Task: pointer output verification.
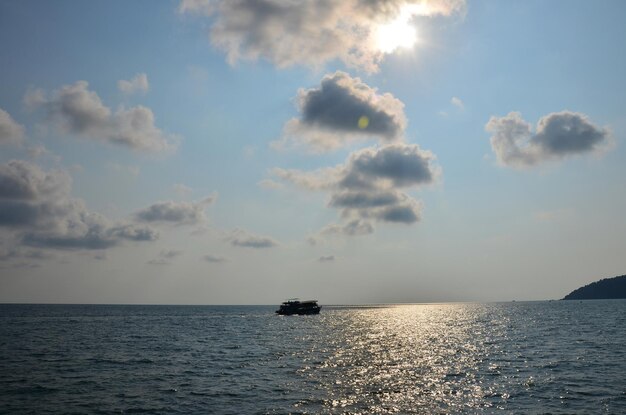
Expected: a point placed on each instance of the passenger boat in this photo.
(295, 306)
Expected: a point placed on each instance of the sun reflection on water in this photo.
(396, 359)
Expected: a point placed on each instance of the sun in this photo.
(397, 34)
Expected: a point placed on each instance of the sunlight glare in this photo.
(398, 33)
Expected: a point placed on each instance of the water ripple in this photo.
(543, 357)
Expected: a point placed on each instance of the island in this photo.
(608, 288)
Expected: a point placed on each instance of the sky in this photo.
(356, 151)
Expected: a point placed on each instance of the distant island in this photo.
(608, 288)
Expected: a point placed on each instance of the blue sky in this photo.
(164, 152)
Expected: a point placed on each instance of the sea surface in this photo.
(558, 357)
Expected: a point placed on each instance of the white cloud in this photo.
(139, 83)
(308, 32)
(11, 132)
(76, 110)
(558, 135)
(270, 184)
(456, 101)
(206, 7)
(183, 190)
(322, 179)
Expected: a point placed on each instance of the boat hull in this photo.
(298, 311)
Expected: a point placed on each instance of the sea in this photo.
(552, 357)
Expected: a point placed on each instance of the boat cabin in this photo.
(297, 307)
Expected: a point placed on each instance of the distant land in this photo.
(607, 288)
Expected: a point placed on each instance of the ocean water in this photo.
(527, 357)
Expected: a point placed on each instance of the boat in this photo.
(295, 306)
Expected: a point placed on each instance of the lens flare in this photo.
(363, 122)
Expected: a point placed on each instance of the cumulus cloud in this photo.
(395, 165)
(36, 209)
(244, 239)
(558, 135)
(139, 83)
(370, 185)
(176, 213)
(457, 102)
(309, 32)
(10, 131)
(343, 109)
(76, 110)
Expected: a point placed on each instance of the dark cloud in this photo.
(165, 257)
(177, 213)
(19, 214)
(13, 253)
(363, 199)
(10, 131)
(558, 135)
(244, 239)
(100, 256)
(341, 101)
(403, 165)
(352, 228)
(392, 206)
(403, 213)
(36, 209)
(92, 234)
(21, 180)
(214, 258)
(170, 253)
(564, 133)
(308, 32)
(77, 110)
(343, 109)
(368, 185)
(132, 232)
(326, 258)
